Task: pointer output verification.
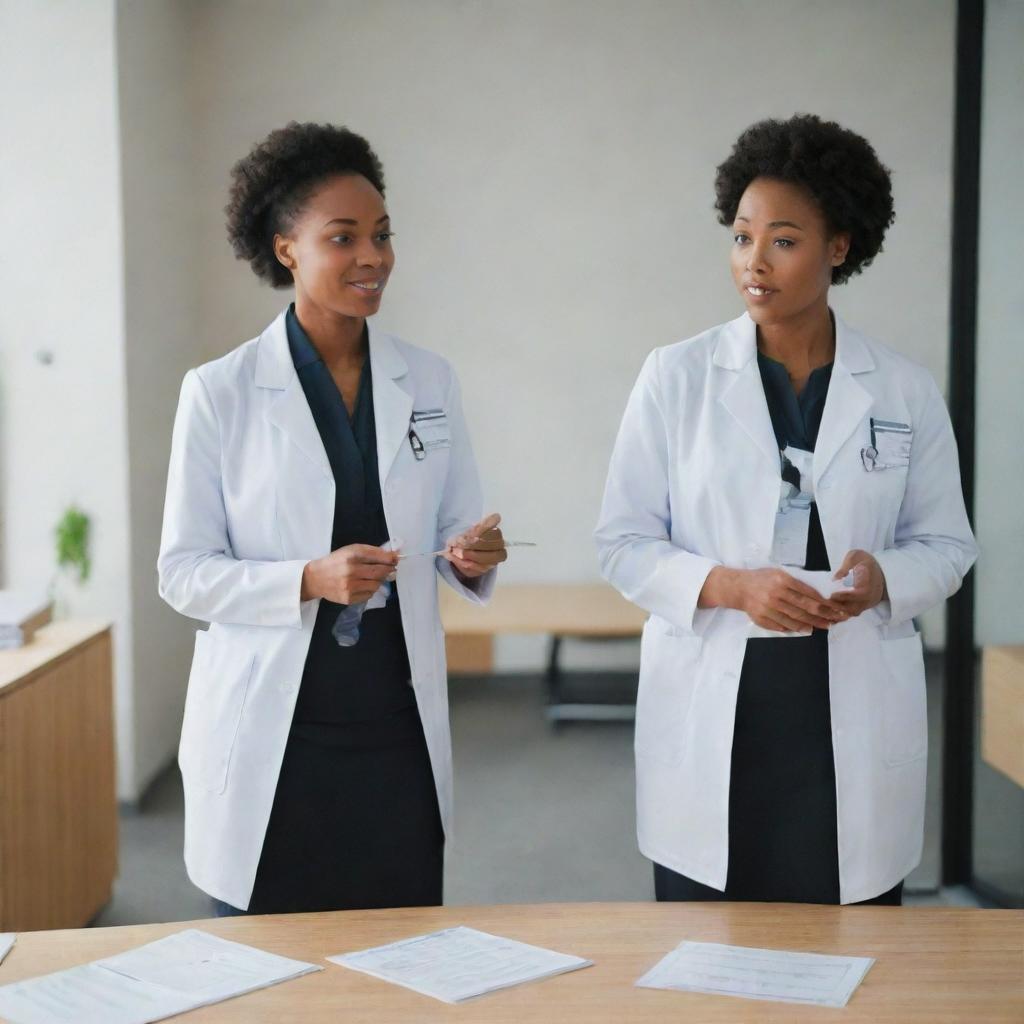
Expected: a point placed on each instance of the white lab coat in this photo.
(694, 483)
(250, 500)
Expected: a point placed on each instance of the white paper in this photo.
(459, 963)
(205, 966)
(759, 973)
(6, 941)
(88, 995)
(169, 976)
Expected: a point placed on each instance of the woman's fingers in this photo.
(370, 555)
(485, 524)
(805, 616)
(492, 540)
(799, 592)
(778, 620)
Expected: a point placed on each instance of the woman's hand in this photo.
(869, 583)
(350, 575)
(479, 549)
(771, 598)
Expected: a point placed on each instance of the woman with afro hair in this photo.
(783, 498)
(315, 749)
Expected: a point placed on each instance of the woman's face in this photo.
(782, 252)
(339, 247)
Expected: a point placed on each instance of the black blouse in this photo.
(795, 418)
(371, 679)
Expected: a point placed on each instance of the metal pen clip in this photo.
(417, 445)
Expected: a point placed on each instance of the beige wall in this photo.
(550, 169)
(64, 425)
(161, 340)
(999, 486)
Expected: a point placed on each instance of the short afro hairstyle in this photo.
(270, 184)
(836, 166)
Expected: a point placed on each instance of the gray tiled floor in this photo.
(540, 816)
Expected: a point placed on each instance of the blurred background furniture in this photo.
(58, 806)
(589, 611)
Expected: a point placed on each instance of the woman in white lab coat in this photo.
(783, 498)
(315, 750)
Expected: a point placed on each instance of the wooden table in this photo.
(594, 611)
(58, 805)
(933, 964)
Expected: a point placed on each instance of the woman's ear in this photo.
(840, 247)
(283, 251)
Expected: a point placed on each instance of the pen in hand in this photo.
(435, 554)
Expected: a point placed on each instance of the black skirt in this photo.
(355, 821)
(783, 840)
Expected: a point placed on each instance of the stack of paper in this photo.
(759, 973)
(459, 963)
(178, 973)
(20, 616)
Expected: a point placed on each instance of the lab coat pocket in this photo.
(668, 678)
(430, 427)
(904, 701)
(217, 687)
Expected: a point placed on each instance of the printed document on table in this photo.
(459, 963)
(88, 995)
(759, 973)
(6, 941)
(172, 975)
(204, 966)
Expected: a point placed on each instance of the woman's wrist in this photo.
(722, 588)
(309, 589)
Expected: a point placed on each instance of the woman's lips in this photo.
(368, 287)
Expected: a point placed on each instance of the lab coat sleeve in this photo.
(633, 533)
(461, 501)
(198, 574)
(933, 546)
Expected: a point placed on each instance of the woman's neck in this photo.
(802, 344)
(340, 340)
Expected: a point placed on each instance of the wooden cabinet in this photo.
(1002, 714)
(58, 802)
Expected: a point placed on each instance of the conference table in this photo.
(933, 964)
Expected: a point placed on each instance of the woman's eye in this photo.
(341, 239)
(385, 236)
(784, 243)
(739, 239)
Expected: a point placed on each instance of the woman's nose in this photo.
(369, 256)
(756, 260)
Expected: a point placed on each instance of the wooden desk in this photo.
(933, 964)
(587, 611)
(58, 805)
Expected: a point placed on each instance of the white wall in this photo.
(64, 429)
(550, 170)
(161, 340)
(999, 484)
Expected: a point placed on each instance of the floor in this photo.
(541, 816)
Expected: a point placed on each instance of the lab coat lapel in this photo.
(743, 397)
(289, 411)
(848, 401)
(392, 404)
